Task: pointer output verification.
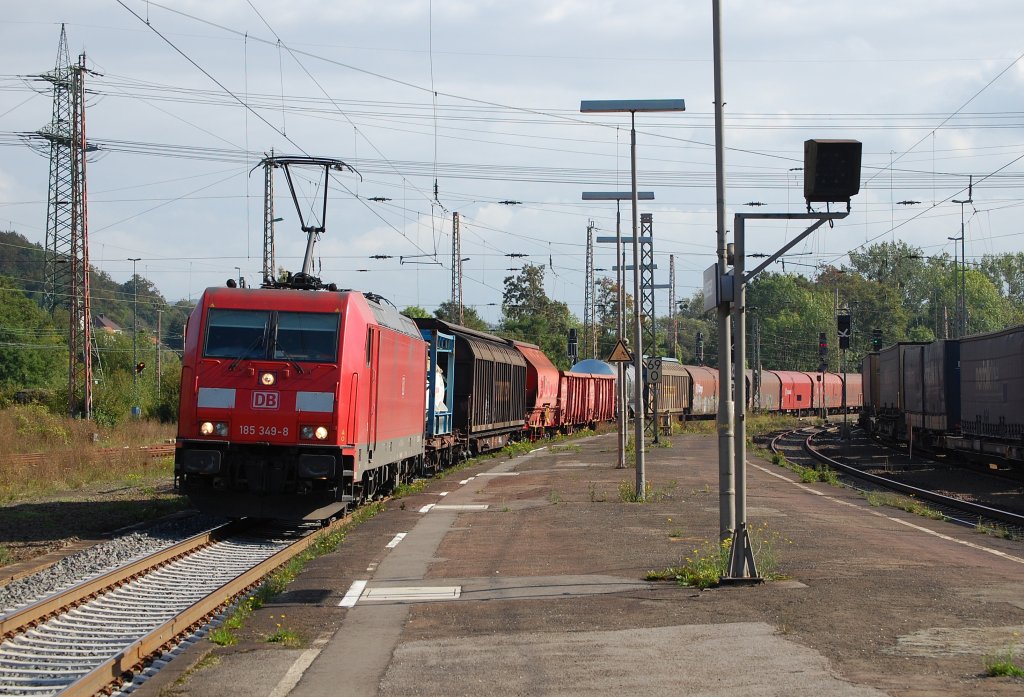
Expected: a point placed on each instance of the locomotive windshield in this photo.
(271, 335)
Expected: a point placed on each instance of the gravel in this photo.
(96, 560)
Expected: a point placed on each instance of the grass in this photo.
(5, 556)
(994, 530)
(1003, 665)
(808, 475)
(628, 493)
(72, 446)
(705, 565)
(284, 636)
(904, 503)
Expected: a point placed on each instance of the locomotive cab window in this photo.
(236, 333)
(306, 336)
(269, 335)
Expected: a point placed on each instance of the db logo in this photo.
(265, 400)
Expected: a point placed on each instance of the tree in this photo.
(606, 308)
(530, 315)
(415, 312)
(448, 312)
(33, 352)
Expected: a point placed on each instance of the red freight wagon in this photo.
(827, 391)
(854, 390)
(703, 390)
(584, 399)
(768, 396)
(542, 382)
(796, 391)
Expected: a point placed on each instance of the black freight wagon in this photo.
(490, 386)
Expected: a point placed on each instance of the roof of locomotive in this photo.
(385, 314)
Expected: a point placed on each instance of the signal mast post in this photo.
(831, 173)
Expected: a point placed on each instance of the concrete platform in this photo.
(525, 577)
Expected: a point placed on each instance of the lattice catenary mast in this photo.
(457, 270)
(66, 273)
(589, 324)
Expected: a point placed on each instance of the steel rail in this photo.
(131, 659)
(43, 609)
(925, 494)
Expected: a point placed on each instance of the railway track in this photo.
(149, 451)
(99, 633)
(800, 448)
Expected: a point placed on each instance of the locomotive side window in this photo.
(307, 336)
(236, 333)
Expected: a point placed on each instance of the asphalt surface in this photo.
(543, 593)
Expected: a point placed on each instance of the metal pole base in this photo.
(742, 569)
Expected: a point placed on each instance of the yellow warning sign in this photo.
(620, 354)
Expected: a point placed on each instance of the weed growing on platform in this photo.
(5, 556)
(222, 636)
(1003, 665)
(702, 568)
(627, 492)
(284, 636)
(904, 503)
(1000, 531)
(414, 487)
(595, 496)
(554, 497)
(808, 475)
(706, 564)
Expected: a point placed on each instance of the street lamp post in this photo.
(620, 266)
(135, 334)
(632, 106)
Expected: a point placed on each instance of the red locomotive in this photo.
(294, 402)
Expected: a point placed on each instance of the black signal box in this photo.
(831, 169)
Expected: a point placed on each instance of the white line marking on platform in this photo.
(498, 474)
(467, 481)
(574, 464)
(354, 591)
(462, 507)
(427, 507)
(394, 542)
(415, 593)
(371, 568)
(948, 538)
(537, 450)
(305, 659)
(443, 493)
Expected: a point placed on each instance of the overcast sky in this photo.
(483, 97)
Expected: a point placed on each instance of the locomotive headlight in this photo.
(314, 432)
(267, 379)
(209, 428)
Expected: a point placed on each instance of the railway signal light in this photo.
(700, 348)
(139, 367)
(822, 344)
(876, 339)
(844, 330)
